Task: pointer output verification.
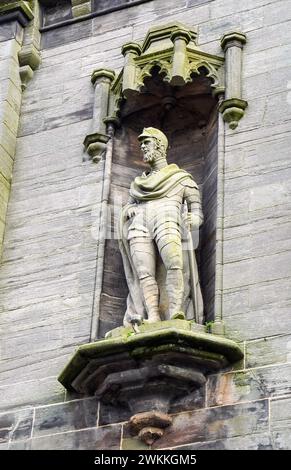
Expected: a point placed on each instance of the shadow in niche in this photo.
(55, 11)
(188, 116)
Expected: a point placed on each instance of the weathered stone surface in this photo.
(254, 245)
(248, 385)
(107, 437)
(264, 59)
(10, 92)
(281, 414)
(56, 117)
(44, 335)
(55, 308)
(10, 30)
(277, 12)
(213, 30)
(109, 414)
(273, 35)
(114, 308)
(133, 443)
(20, 445)
(33, 392)
(56, 12)
(69, 416)
(6, 164)
(4, 446)
(220, 8)
(16, 426)
(103, 5)
(122, 18)
(282, 440)
(109, 42)
(195, 3)
(255, 270)
(193, 401)
(252, 442)
(259, 322)
(66, 34)
(114, 283)
(41, 365)
(273, 350)
(216, 423)
(252, 298)
(281, 422)
(10, 43)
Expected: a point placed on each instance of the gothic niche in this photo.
(159, 367)
(188, 116)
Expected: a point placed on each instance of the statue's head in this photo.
(154, 144)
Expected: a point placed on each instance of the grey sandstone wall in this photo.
(47, 276)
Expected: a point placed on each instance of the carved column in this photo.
(29, 55)
(14, 17)
(103, 227)
(95, 143)
(233, 107)
(180, 39)
(130, 50)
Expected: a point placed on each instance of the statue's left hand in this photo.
(130, 212)
(192, 221)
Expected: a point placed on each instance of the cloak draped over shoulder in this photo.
(157, 185)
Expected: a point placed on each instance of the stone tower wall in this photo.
(47, 275)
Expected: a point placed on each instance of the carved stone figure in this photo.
(155, 239)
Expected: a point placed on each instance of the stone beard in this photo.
(153, 230)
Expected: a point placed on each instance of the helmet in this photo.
(155, 134)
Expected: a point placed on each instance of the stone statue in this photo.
(161, 270)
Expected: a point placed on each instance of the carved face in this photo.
(149, 149)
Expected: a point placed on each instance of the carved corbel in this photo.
(95, 142)
(29, 60)
(233, 106)
(27, 13)
(146, 371)
(180, 39)
(29, 55)
(130, 51)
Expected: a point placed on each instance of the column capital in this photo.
(233, 38)
(101, 74)
(131, 47)
(181, 34)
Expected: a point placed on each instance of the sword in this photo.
(193, 278)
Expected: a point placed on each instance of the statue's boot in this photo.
(175, 291)
(150, 292)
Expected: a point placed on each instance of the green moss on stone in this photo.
(24, 6)
(150, 342)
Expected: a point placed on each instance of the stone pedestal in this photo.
(146, 370)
